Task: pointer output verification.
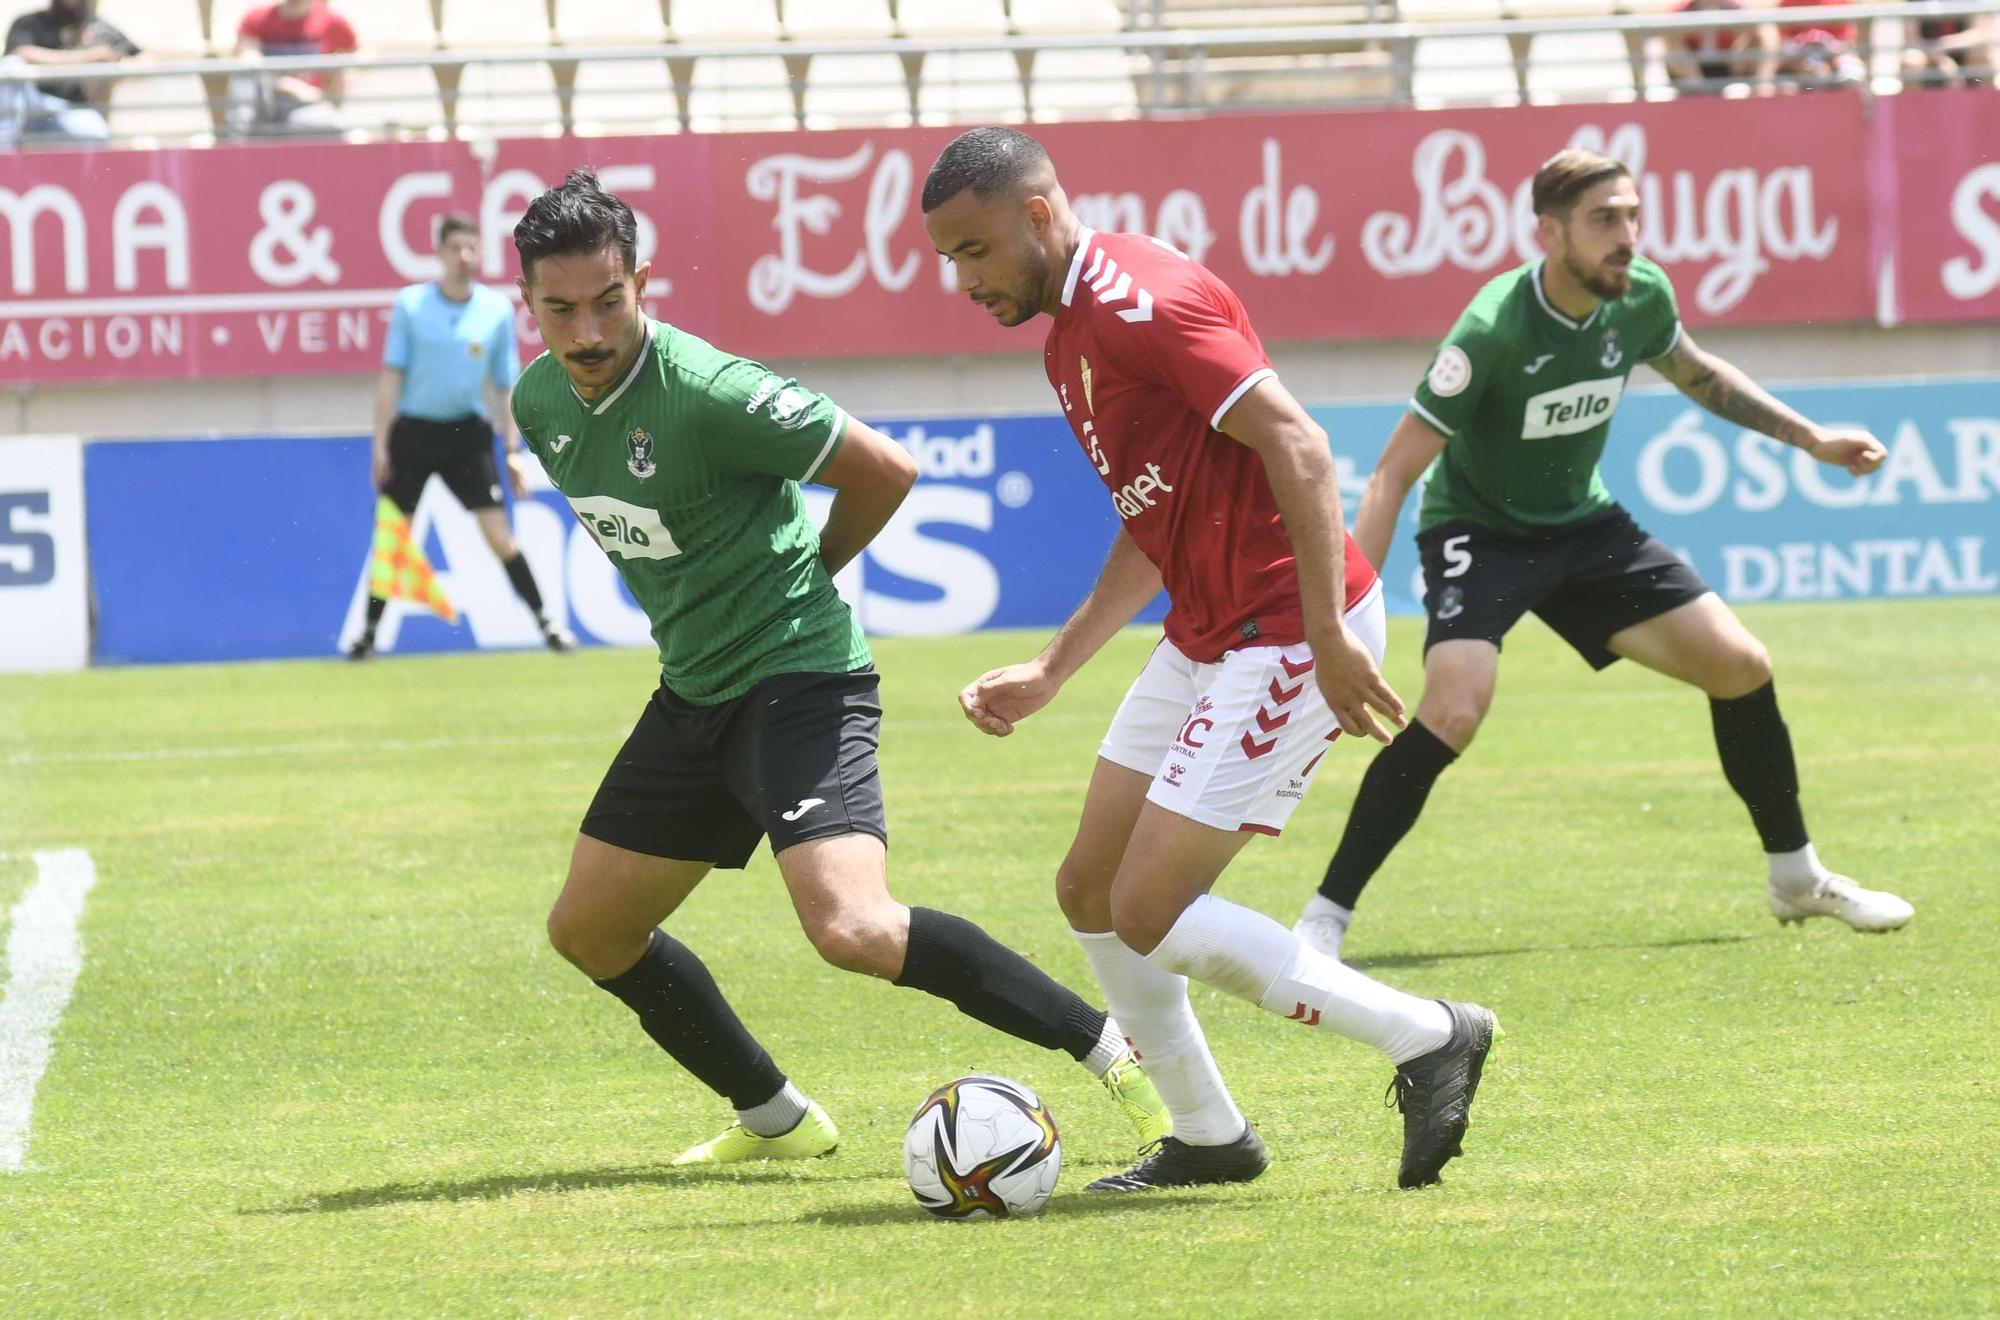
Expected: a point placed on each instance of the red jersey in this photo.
(1147, 353)
(1830, 30)
(319, 32)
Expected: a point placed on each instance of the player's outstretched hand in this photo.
(1001, 698)
(1849, 447)
(1351, 684)
(517, 474)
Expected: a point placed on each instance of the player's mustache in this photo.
(590, 359)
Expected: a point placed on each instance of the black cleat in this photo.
(557, 640)
(1169, 1162)
(363, 648)
(1435, 1093)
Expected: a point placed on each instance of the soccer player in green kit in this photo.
(684, 463)
(1510, 421)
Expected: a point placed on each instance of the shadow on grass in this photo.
(573, 1180)
(1394, 960)
(1063, 1207)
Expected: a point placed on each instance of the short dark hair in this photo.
(1568, 175)
(455, 222)
(576, 217)
(989, 161)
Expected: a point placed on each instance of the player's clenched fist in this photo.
(1001, 698)
(1848, 447)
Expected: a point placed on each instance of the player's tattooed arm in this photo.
(1725, 390)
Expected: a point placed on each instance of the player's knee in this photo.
(1747, 668)
(592, 951)
(1141, 921)
(857, 941)
(1455, 717)
(1083, 898)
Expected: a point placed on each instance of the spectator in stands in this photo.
(1949, 52)
(291, 102)
(1710, 59)
(67, 32)
(1820, 52)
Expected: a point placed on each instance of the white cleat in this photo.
(1323, 925)
(1836, 896)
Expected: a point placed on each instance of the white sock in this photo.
(776, 1116)
(1247, 954)
(1110, 1048)
(1151, 1008)
(1798, 870)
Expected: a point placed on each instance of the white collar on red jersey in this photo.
(1083, 238)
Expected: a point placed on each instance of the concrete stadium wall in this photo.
(890, 387)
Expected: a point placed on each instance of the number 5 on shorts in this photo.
(1457, 558)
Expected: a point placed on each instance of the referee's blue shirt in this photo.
(447, 350)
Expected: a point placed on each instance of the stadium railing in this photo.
(1150, 67)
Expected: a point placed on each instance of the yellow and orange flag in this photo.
(398, 569)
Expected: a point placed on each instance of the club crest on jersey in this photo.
(1614, 352)
(1089, 404)
(639, 454)
(475, 350)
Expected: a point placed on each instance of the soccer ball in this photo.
(982, 1147)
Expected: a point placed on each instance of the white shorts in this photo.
(1233, 744)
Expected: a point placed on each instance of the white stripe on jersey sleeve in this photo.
(1672, 344)
(1431, 418)
(832, 438)
(1249, 382)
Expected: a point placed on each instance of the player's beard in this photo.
(1028, 295)
(1603, 281)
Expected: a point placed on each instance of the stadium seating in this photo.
(624, 96)
(610, 22)
(1082, 84)
(1045, 16)
(393, 102)
(506, 100)
(838, 20)
(843, 91)
(396, 25)
(485, 24)
(741, 92)
(724, 20)
(163, 29)
(952, 18)
(963, 87)
(165, 109)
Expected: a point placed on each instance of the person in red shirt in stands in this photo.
(1820, 51)
(292, 102)
(1709, 59)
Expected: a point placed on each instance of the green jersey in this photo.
(1524, 396)
(686, 471)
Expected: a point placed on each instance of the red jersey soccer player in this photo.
(1225, 491)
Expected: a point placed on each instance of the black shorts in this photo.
(794, 757)
(1586, 580)
(461, 452)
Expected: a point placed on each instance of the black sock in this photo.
(1391, 797)
(1757, 761)
(523, 579)
(376, 605)
(955, 960)
(682, 1010)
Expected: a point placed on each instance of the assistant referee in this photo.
(447, 372)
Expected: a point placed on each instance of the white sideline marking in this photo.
(343, 746)
(44, 956)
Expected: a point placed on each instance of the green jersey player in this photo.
(684, 462)
(1510, 420)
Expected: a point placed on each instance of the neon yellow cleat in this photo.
(1135, 1094)
(814, 1136)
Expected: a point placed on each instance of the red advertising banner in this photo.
(279, 260)
(1946, 153)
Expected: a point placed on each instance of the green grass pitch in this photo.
(320, 1060)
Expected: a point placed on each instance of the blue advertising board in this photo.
(258, 547)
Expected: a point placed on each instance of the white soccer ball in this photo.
(982, 1147)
